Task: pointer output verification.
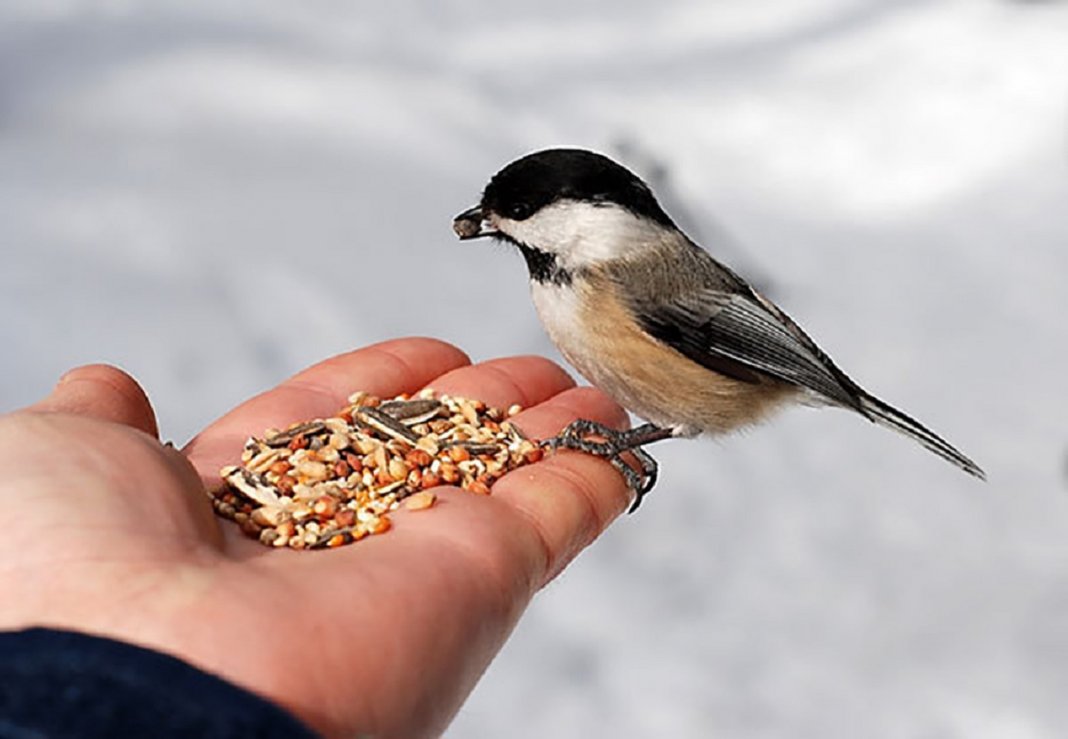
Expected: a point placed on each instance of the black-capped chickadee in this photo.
(650, 318)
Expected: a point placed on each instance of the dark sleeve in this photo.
(76, 686)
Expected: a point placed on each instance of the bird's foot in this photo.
(611, 446)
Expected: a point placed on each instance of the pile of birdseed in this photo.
(332, 481)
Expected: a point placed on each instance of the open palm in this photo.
(115, 536)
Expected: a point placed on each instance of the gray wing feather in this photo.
(704, 310)
(716, 329)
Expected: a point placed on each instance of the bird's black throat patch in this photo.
(544, 267)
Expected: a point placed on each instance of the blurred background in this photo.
(214, 195)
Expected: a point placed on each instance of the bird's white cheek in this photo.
(581, 234)
(549, 230)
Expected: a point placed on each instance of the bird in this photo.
(652, 319)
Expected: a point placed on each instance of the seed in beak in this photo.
(468, 225)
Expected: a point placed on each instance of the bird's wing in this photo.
(742, 335)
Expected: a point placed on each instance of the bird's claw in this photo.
(577, 437)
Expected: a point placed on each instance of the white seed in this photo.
(263, 460)
(420, 501)
(271, 515)
(365, 444)
(428, 445)
(337, 426)
(381, 458)
(313, 470)
(398, 470)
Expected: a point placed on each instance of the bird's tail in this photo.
(884, 415)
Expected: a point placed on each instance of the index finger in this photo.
(386, 369)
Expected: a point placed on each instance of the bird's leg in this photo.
(577, 436)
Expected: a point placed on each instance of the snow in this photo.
(208, 196)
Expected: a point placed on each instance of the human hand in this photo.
(112, 534)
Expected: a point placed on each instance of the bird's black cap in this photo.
(528, 184)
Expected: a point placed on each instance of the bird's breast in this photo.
(600, 337)
(560, 309)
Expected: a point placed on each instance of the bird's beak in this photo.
(471, 224)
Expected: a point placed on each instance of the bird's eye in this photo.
(520, 211)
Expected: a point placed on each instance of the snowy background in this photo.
(208, 194)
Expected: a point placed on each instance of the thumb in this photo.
(103, 392)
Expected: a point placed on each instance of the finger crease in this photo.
(588, 495)
(541, 543)
(517, 389)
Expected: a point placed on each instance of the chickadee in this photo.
(649, 317)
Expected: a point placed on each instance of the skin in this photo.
(386, 637)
